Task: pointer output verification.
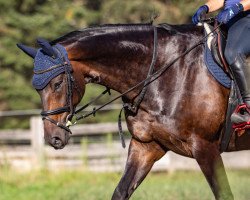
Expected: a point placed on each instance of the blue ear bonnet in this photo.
(43, 61)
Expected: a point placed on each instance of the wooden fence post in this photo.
(37, 141)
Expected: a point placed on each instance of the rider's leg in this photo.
(242, 76)
(237, 48)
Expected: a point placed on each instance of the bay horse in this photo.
(183, 110)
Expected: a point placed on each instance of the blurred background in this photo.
(91, 165)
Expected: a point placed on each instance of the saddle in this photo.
(215, 48)
(217, 44)
(218, 47)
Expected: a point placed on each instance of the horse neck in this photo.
(117, 59)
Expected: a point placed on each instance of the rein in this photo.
(144, 82)
(133, 107)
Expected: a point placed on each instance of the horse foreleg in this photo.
(141, 157)
(209, 159)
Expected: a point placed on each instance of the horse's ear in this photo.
(47, 48)
(28, 50)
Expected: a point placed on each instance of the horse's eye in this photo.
(58, 85)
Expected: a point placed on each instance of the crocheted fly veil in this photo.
(49, 62)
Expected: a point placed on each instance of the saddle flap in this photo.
(215, 51)
(216, 43)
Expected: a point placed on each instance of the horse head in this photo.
(59, 86)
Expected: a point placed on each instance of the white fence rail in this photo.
(26, 150)
(104, 155)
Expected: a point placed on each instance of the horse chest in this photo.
(140, 127)
(146, 128)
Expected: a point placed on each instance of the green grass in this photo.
(90, 186)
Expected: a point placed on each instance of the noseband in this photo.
(70, 84)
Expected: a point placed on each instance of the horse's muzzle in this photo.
(58, 139)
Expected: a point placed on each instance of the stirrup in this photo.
(245, 125)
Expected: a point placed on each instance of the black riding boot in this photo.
(242, 78)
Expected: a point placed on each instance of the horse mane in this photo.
(100, 29)
(115, 28)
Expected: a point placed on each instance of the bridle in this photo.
(69, 107)
(71, 83)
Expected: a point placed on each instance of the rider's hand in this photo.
(225, 15)
(200, 14)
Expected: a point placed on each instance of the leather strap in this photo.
(55, 111)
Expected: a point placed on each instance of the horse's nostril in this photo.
(56, 142)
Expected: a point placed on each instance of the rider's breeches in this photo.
(238, 40)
